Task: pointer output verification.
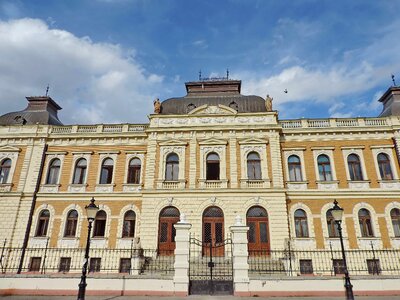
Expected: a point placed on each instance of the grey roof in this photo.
(184, 105)
(40, 110)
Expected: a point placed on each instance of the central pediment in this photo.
(213, 110)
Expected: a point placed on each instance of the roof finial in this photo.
(200, 75)
(394, 82)
(47, 90)
(227, 73)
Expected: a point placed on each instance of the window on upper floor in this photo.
(134, 171)
(353, 162)
(384, 166)
(253, 166)
(300, 223)
(172, 167)
(107, 169)
(5, 167)
(54, 171)
(128, 228)
(100, 224)
(395, 216)
(212, 170)
(294, 166)
(324, 168)
(43, 223)
(364, 218)
(80, 171)
(71, 224)
(333, 231)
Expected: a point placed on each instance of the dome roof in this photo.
(213, 92)
(40, 110)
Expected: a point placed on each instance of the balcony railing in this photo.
(106, 128)
(335, 123)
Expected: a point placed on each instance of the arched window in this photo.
(128, 229)
(324, 168)
(100, 224)
(5, 166)
(212, 170)
(300, 223)
(395, 216)
(364, 218)
(80, 171)
(384, 166)
(353, 162)
(294, 168)
(43, 223)
(71, 224)
(107, 169)
(332, 226)
(134, 171)
(253, 166)
(172, 167)
(54, 171)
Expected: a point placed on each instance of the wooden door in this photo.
(166, 231)
(213, 232)
(258, 235)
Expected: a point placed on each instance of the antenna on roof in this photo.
(200, 75)
(227, 73)
(47, 90)
(394, 82)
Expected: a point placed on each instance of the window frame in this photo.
(302, 231)
(109, 169)
(43, 222)
(255, 163)
(333, 231)
(82, 171)
(53, 172)
(323, 166)
(172, 167)
(68, 232)
(396, 233)
(100, 224)
(5, 171)
(386, 163)
(211, 164)
(297, 166)
(354, 174)
(134, 171)
(132, 225)
(366, 224)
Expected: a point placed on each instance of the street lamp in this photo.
(91, 211)
(337, 213)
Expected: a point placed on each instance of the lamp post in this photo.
(337, 213)
(91, 211)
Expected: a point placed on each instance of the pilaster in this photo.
(181, 265)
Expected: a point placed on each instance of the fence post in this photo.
(136, 257)
(181, 265)
(240, 255)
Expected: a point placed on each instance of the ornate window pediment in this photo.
(253, 141)
(173, 143)
(213, 110)
(213, 141)
(9, 149)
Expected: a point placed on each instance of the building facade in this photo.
(212, 155)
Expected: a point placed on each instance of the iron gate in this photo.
(210, 268)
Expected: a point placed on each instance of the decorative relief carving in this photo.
(49, 188)
(104, 188)
(77, 188)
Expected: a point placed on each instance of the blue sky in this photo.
(106, 60)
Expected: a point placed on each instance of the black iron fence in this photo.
(323, 262)
(102, 261)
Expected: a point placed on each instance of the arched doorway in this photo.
(213, 231)
(166, 230)
(258, 235)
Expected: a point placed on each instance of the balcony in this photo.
(255, 184)
(171, 185)
(213, 184)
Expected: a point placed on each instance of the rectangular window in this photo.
(306, 266)
(374, 266)
(338, 266)
(34, 266)
(263, 232)
(65, 264)
(218, 233)
(95, 265)
(164, 233)
(252, 232)
(125, 265)
(99, 228)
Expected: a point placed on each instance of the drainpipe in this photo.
(29, 224)
(396, 147)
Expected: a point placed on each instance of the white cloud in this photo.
(93, 82)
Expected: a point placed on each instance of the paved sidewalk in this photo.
(189, 298)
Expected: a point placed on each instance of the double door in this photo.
(213, 236)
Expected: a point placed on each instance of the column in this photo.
(240, 255)
(181, 265)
